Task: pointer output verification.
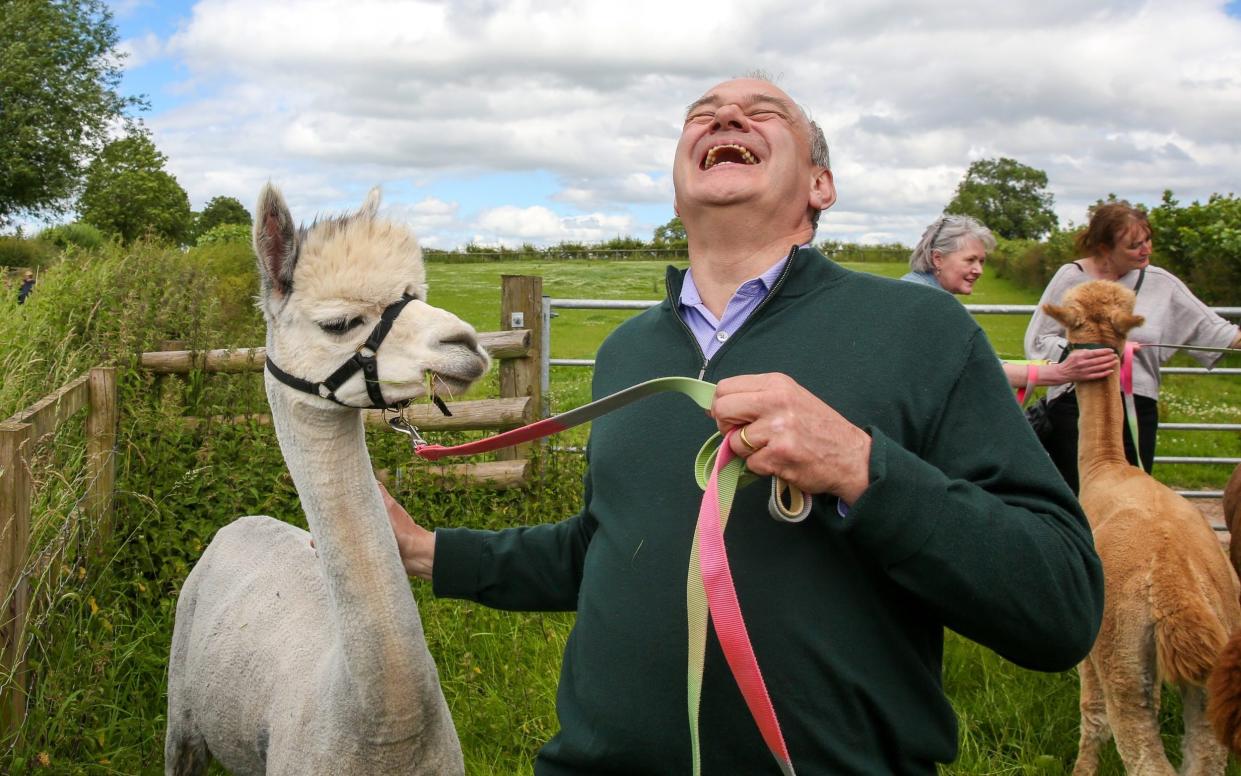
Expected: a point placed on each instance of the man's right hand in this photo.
(415, 543)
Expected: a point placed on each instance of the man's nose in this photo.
(730, 117)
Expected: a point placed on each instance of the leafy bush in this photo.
(108, 310)
(21, 252)
(76, 235)
(225, 233)
(1201, 244)
(1029, 263)
(230, 263)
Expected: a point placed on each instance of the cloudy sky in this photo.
(510, 121)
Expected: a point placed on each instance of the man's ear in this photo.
(822, 189)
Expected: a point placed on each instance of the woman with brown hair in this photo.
(1116, 245)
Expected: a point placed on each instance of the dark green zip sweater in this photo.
(965, 525)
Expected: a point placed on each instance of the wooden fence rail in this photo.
(500, 344)
(519, 402)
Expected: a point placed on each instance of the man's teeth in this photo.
(745, 154)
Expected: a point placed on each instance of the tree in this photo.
(128, 192)
(221, 210)
(1008, 196)
(59, 71)
(671, 232)
(1201, 243)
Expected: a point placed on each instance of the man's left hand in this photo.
(794, 435)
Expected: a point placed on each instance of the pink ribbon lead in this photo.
(710, 589)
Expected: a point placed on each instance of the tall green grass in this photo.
(99, 649)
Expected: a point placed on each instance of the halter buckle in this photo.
(398, 423)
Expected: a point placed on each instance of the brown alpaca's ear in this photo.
(1127, 322)
(1065, 315)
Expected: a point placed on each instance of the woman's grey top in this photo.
(1173, 315)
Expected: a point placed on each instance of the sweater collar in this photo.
(806, 270)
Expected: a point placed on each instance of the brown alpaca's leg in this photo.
(1094, 727)
(1201, 753)
(1127, 673)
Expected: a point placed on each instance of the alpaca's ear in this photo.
(1065, 315)
(1127, 322)
(275, 242)
(370, 208)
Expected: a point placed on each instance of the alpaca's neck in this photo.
(378, 631)
(1100, 441)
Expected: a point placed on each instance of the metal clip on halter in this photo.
(398, 423)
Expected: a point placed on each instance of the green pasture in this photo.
(99, 650)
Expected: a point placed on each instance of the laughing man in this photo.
(933, 505)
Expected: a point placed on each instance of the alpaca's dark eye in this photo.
(341, 325)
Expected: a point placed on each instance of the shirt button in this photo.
(721, 335)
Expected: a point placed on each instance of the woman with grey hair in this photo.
(950, 254)
(950, 257)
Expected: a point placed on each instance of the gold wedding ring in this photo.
(745, 441)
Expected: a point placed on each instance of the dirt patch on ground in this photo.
(1213, 510)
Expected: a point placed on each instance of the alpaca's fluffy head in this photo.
(1099, 311)
(324, 287)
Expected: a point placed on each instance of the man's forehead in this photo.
(744, 93)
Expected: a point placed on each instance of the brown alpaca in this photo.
(1232, 516)
(1225, 684)
(1171, 597)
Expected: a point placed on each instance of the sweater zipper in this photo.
(775, 289)
(688, 332)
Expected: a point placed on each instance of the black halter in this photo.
(363, 359)
(1069, 347)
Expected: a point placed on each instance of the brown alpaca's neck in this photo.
(1100, 441)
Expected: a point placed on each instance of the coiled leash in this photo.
(709, 592)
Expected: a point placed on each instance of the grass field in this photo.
(100, 651)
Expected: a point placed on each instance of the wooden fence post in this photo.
(100, 446)
(521, 307)
(15, 497)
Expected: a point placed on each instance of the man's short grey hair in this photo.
(819, 154)
(947, 234)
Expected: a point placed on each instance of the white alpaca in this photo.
(292, 660)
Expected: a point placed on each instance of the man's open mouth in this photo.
(734, 154)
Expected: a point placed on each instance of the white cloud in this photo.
(635, 187)
(1105, 96)
(511, 225)
(141, 50)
